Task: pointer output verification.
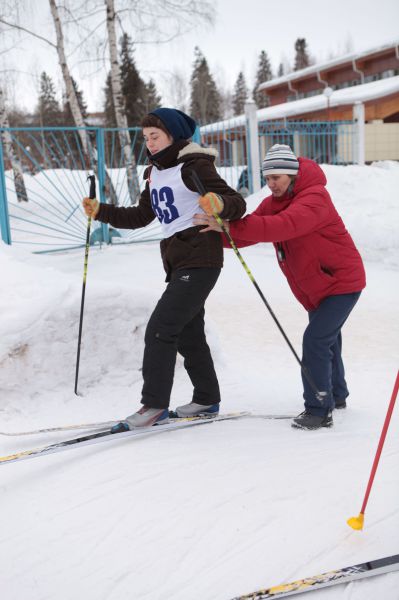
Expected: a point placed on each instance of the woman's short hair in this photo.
(153, 121)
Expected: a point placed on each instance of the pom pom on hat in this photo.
(179, 125)
(280, 160)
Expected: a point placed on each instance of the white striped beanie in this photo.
(280, 160)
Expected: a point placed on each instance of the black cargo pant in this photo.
(177, 325)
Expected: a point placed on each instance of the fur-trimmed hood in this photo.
(194, 148)
(181, 151)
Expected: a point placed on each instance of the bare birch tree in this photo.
(16, 166)
(69, 87)
(119, 106)
(74, 104)
(10, 154)
(59, 46)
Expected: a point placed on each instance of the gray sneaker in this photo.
(193, 409)
(308, 421)
(146, 416)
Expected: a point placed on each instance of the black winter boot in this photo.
(308, 421)
(340, 403)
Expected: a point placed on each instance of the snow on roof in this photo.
(345, 96)
(326, 65)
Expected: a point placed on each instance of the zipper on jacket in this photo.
(280, 252)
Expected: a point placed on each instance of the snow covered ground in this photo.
(219, 510)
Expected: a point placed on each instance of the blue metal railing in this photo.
(4, 217)
(55, 162)
(328, 142)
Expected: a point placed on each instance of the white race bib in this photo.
(172, 202)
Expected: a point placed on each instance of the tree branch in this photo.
(20, 28)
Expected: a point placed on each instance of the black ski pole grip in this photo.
(92, 192)
(198, 183)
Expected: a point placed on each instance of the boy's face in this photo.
(156, 139)
(278, 184)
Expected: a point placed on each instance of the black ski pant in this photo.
(177, 325)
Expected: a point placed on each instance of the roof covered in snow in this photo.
(342, 97)
(335, 62)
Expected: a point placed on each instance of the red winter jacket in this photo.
(319, 256)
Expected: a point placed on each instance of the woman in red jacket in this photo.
(321, 263)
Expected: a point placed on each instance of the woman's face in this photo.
(156, 139)
(278, 184)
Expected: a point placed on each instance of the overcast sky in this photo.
(240, 32)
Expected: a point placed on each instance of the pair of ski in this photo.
(103, 433)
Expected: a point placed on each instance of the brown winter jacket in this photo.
(189, 248)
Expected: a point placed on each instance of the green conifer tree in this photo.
(263, 74)
(133, 87)
(48, 112)
(68, 117)
(302, 58)
(205, 98)
(240, 95)
(109, 109)
(152, 98)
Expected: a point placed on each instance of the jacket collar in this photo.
(167, 157)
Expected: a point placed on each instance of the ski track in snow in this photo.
(202, 514)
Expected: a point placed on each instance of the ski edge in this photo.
(99, 425)
(102, 424)
(341, 576)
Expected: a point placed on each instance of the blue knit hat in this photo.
(280, 160)
(179, 125)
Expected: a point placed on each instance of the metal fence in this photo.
(43, 178)
(326, 142)
(43, 173)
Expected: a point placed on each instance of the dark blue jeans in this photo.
(322, 347)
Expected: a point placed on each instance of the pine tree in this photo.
(302, 59)
(48, 114)
(280, 70)
(152, 98)
(240, 95)
(68, 117)
(133, 87)
(264, 73)
(48, 111)
(205, 98)
(109, 109)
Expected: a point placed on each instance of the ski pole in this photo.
(92, 195)
(201, 190)
(357, 522)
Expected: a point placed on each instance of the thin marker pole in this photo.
(357, 522)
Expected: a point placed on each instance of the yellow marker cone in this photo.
(356, 522)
